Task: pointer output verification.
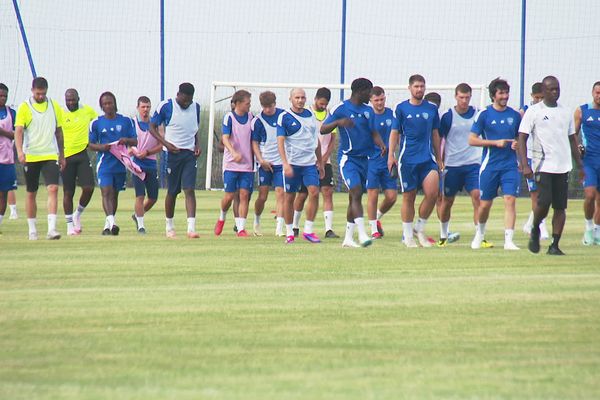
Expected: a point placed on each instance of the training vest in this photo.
(7, 154)
(457, 151)
(145, 139)
(39, 136)
(241, 140)
(269, 148)
(300, 147)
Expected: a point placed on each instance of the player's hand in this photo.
(21, 157)
(514, 145)
(392, 164)
(132, 151)
(62, 163)
(345, 123)
(321, 170)
(440, 164)
(581, 150)
(237, 157)
(171, 148)
(501, 143)
(197, 151)
(288, 170)
(527, 172)
(266, 166)
(382, 150)
(142, 154)
(106, 147)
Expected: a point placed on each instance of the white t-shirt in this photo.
(549, 129)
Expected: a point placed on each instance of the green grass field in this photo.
(134, 317)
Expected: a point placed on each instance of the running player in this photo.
(39, 143)
(181, 118)
(358, 134)
(536, 96)
(462, 161)
(144, 155)
(553, 131)
(378, 175)
(8, 175)
(266, 151)
(418, 122)
(587, 121)
(238, 161)
(321, 112)
(496, 129)
(76, 126)
(105, 131)
(300, 151)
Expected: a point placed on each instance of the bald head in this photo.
(297, 99)
(295, 91)
(551, 90)
(72, 99)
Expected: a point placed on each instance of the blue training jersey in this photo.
(491, 124)
(383, 125)
(355, 140)
(415, 124)
(590, 132)
(104, 131)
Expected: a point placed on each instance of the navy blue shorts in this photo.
(591, 171)
(354, 171)
(303, 175)
(413, 175)
(114, 179)
(457, 178)
(490, 181)
(8, 177)
(236, 180)
(148, 185)
(181, 170)
(267, 178)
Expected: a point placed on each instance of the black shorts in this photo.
(78, 170)
(553, 189)
(326, 181)
(49, 169)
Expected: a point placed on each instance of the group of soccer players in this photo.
(409, 148)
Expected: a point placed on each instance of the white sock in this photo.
(140, 222)
(297, 216)
(349, 231)
(308, 226)
(170, 224)
(420, 225)
(240, 223)
(481, 229)
(106, 224)
(280, 224)
(51, 222)
(69, 219)
(379, 214)
(32, 222)
(80, 209)
(373, 225)
(111, 220)
(360, 225)
(328, 216)
(1, 218)
(589, 224)
(444, 229)
(508, 235)
(407, 230)
(530, 219)
(13, 208)
(597, 231)
(256, 219)
(222, 215)
(289, 230)
(191, 222)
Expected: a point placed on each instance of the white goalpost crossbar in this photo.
(235, 85)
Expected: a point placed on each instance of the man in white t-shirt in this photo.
(553, 136)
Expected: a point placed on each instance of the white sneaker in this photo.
(588, 238)
(72, 232)
(476, 243)
(410, 243)
(53, 235)
(279, 233)
(350, 243)
(33, 236)
(510, 246)
(544, 232)
(257, 231)
(13, 216)
(423, 239)
(77, 223)
(527, 229)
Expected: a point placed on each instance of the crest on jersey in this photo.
(119, 128)
(425, 115)
(510, 120)
(388, 122)
(367, 114)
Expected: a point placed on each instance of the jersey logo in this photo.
(510, 120)
(501, 121)
(494, 122)
(388, 122)
(367, 114)
(293, 124)
(351, 115)
(591, 119)
(408, 116)
(112, 129)
(381, 123)
(546, 118)
(425, 115)
(119, 127)
(104, 130)
(418, 115)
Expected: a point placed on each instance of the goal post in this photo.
(221, 91)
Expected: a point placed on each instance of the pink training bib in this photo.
(145, 140)
(7, 154)
(241, 140)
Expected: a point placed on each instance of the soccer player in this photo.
(238, 161)
(536, 97)
(105, 131)
(378, 175)
(354, 120)
(496, 129)
(461, 160)
(181, 118)
(418, 122)
(321, 112)
(266, 151)
(76, 127)
(144, 155)
(8, 174)
(39, 143)
(587, 121)
(552, 127)
(300, 152)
